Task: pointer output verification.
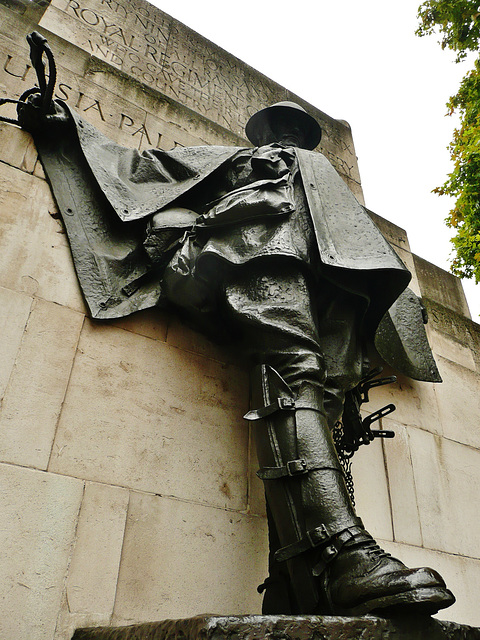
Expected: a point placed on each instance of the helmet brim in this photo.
(264, 118)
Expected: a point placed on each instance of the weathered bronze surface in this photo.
(286, 628)
(265, 247)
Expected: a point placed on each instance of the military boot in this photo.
(363, 578)
(333, 565)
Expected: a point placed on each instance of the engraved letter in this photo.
(15, 75)
(125, 119)
(96, 106)
(62, 87)
(74, 5)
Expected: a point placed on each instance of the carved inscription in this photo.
(156, 50)
(159, 52)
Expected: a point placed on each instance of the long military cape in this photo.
(105, 192)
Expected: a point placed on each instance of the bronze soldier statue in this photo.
(268, 248)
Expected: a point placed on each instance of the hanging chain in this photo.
(345, 459)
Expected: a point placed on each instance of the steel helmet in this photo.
(297, 114)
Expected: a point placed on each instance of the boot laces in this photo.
(366, 542)
(375, 551)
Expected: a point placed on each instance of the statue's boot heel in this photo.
(334, 565)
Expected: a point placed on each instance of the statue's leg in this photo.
(304, 486)
(279, 457)
(334, 566)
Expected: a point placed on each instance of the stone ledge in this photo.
(286, 628)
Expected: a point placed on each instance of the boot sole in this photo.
(426, 601)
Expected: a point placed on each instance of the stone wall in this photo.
(129, 491)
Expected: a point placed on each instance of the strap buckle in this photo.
(313, 538)
(291, 469)
(280, 404)
(286, 404)
(317, 536)
(297, 467)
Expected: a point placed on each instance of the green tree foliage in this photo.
(456, 20)
(458, 23)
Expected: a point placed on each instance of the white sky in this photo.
(360, 62)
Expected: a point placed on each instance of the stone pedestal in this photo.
(286, 628)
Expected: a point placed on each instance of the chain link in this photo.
(345, 459)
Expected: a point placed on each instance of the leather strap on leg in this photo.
(291, 468)
(280, 404)
(321, 536)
